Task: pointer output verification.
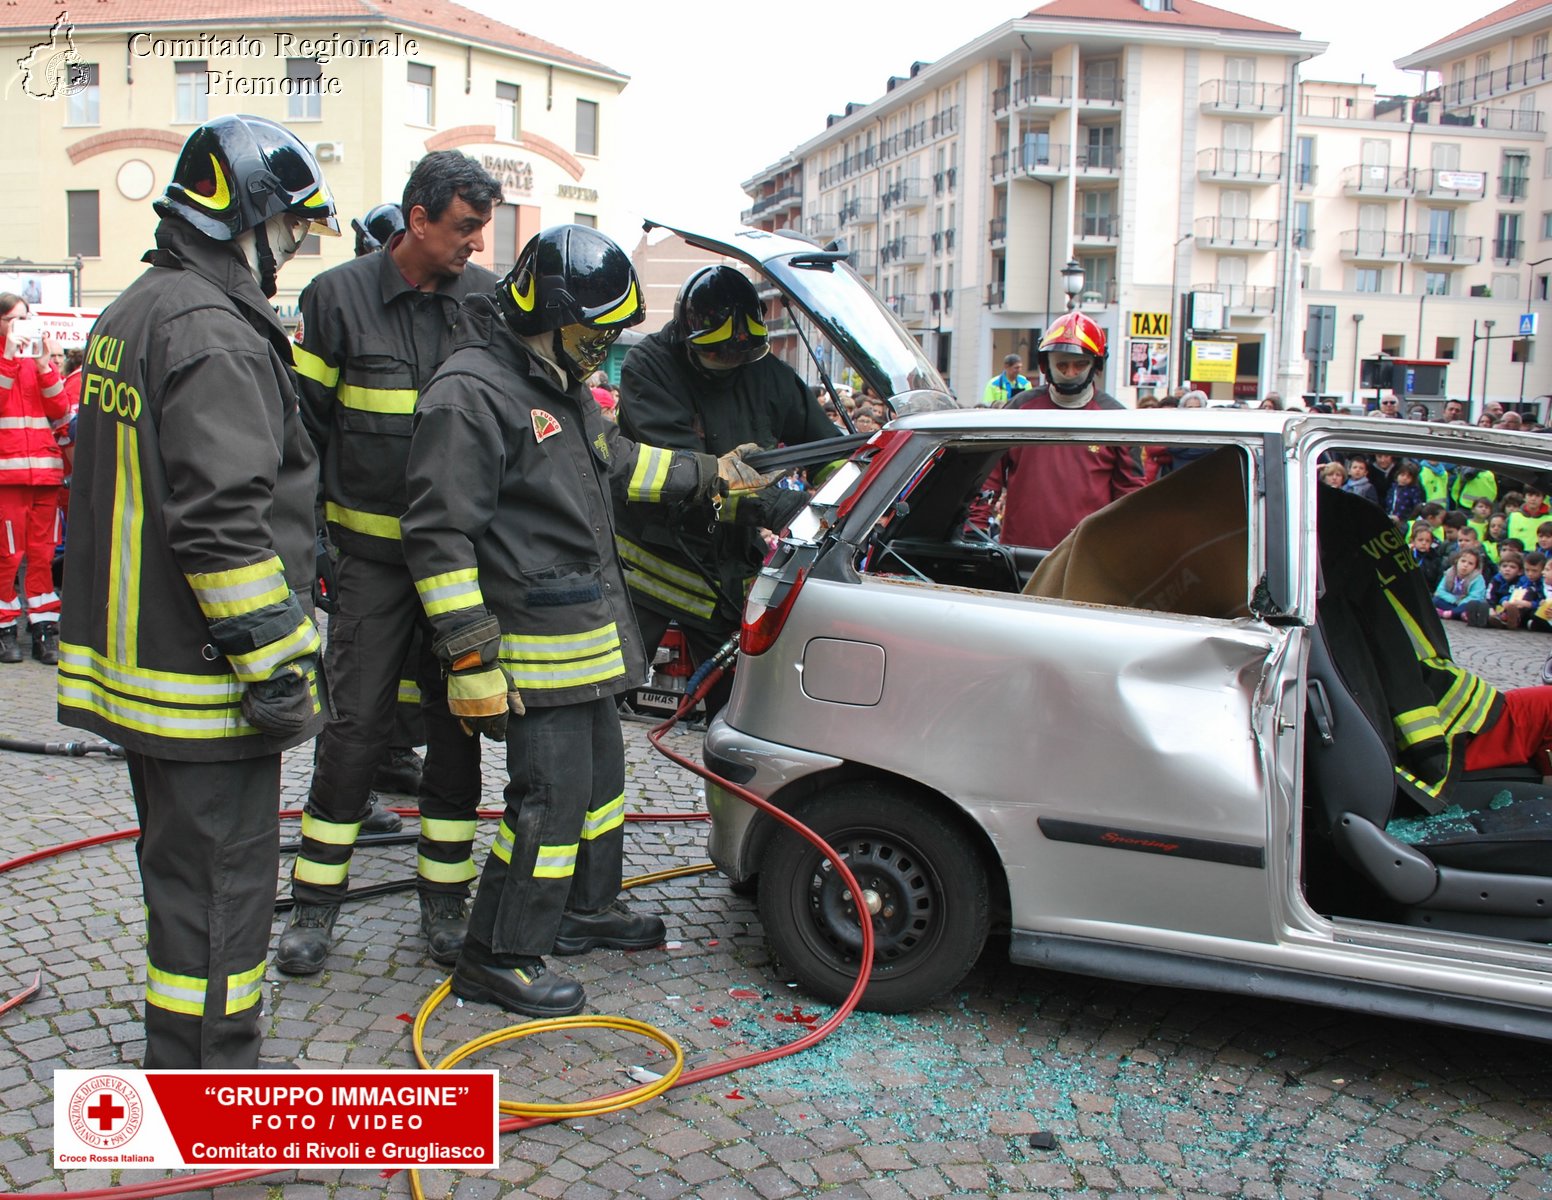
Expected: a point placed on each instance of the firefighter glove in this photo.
(281, 705)
(482, 698)
(738, 475)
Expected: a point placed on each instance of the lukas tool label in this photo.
(275, 1119)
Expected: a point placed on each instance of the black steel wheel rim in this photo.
(910, 900)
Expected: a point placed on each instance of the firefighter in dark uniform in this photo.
(510, 537)
(186, 633)
(374, 331)
(376, 229)
(706, 382)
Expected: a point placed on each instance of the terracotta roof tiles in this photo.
(1186, 13)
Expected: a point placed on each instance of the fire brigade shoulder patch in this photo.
(601, 444)
(544, 425)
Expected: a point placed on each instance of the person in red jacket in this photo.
(31, 471)
(1048, 487)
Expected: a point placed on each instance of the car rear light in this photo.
(765, 612)
(673, 655)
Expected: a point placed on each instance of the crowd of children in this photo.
(1483, 554)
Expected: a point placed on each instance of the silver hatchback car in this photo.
(1180, 778)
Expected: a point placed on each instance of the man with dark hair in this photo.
(374, 331)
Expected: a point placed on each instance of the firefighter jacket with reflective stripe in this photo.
(1387, 641)
(669, 551)
(368, 343)
(510, 513)
(31, 402)
(192, 510)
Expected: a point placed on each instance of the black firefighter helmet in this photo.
(719, 318)
(236, 172)
(574, 281)
(374, 229)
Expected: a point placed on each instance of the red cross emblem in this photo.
(106, 1111)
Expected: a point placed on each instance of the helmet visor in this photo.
(586, 348)
(737, 341)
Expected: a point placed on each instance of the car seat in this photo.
(1483, 865)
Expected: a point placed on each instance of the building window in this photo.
(1506, 238)
(1436, 283)
(85, 104)
(1513, 173)
(1446, 347)
(587, 127)
(304, 97)
(1366, 279)
(191, 95)
(503, 226)
(422, 87)
(1303, 236)
(587, 219)
(509, 110)
(1304, 162)
(85, 231)
(1506, 285)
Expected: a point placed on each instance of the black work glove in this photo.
(281, 705)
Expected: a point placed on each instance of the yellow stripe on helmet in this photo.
(524, 299)
(755, 327)
(720, 334)
(622, 310)
(223, 197)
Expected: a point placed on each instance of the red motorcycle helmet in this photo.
(1072, 333)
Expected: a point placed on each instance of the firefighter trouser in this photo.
(408, 729)
(29, 527)
(703, 644)
(376, 612)
(209, 849)
(561, 841)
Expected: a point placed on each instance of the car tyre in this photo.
(932, 889)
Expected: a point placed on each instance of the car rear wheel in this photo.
(921, 878)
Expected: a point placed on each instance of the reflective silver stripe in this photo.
(650, 474)
(175, 993)
(555, 862)
(25, 423)
(261, 663)
(243, 989)
(502, 846)
(7, 382)
(30, 464)
(537, 647)
(147, 718)
(53, 389)
(601, 820)
(159, 685)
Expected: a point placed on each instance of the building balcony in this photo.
(1096, 88)
(1036, 159)
(1374, 245)
(1238, 166)
(1525, 73)
(1034, 91)
(943, 241)
(1513, 187)
(821, 225)
(1241, 300)
(1446, 251)
(1396, 110)
(1234, 98)
(940, 302)
(1302, 239)
(945, 180)
(1235, 233)
(997, 230)
(1508, 250)
(910, 250)
(1376, 182)
(996, 294)
(1304, 174)
(945, 122)
(1439, 186)
(1104, 230)
(857, 210)
(1098, 160)
(904, 193)
(910, 307)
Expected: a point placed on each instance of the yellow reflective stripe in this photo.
(152, 718)
(720, 334)
(556, 862)
(310, 366)
(1418, 726)
(375, 524)
(621, 310)
(433, 871)
(727, 511)
(1428, 789)
(169, 686)
(563, 660)
(502, 846)
(1482, 697)
(601, 820)
(1421, 646)
(599, 670)
(176, 993)
(321, 874)
(124, 555)
(378, 400)
(450, 591)
(645, 573)
(534, 647)
(244, 989)
(261, 663)
(650, 473)
(435, 829)
(409, 692)
(240, 590)
(330, 833)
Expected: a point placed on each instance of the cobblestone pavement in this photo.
(1147, 1091)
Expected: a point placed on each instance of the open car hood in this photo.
(823, 287)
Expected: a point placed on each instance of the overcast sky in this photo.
(718, 92)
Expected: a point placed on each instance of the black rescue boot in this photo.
(10, 651)
(519, 984)
(399, 772)
(443, 919)
(307, 939)
(616, 928)
(45, 643)
(380, 819)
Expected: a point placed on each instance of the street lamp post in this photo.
(1357, 322)
(1529, 284)
(1072, 282)
(1178, 368)
(1486, 357)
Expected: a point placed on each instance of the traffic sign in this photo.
(1528, 324)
